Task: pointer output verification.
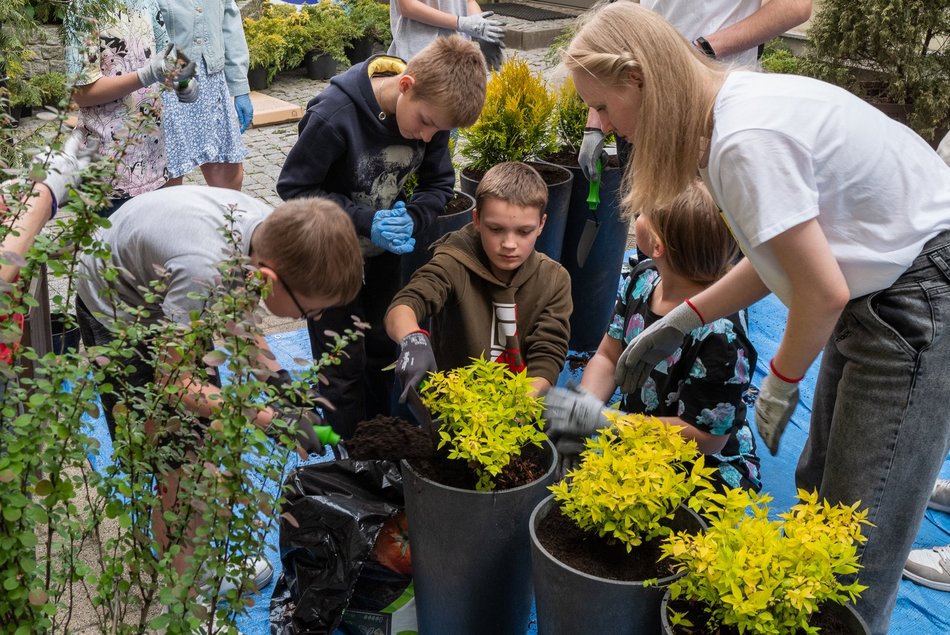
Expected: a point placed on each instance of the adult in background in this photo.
(840, 211)
(731, 31)
(207, 132)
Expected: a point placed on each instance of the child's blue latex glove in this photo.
(245, 111)
(392, 230)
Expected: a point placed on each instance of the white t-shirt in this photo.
(788, 149)
(693, 18)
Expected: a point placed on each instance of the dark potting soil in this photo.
(578, 361)
(388, 438)
(457, 204)
(828, 623)
(568, 158)
(524, 468)
(588, 552)
(549, 173)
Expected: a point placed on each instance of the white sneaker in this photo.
(929, 567)
(940, 499)
(263, 573)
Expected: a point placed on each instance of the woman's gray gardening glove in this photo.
(572, 414)
(657, 342)
(479, 27)
(774, 406)
(592, 151)
(174, 71)
(415, 361)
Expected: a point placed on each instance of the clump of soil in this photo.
(592, 554)
(388, 439)
(524, 468)
(458, 204)
(578, 361)
(829, 623)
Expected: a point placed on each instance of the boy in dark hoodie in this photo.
(487, 291)
(360, 140)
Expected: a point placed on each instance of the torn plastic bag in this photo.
(338, 509)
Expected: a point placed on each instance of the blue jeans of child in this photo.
(880, 428)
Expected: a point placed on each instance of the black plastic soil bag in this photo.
(338, 509)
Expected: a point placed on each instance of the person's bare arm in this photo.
(598, 377)
(400, 321)
(28, 221)
(106, 89)
(771, 20)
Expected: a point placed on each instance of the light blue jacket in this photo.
(211, 29)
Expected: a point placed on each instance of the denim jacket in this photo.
(211, 29)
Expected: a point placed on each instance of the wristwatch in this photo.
(703, 45)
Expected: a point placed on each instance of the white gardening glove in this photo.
(175, 71)
(774, 406)
(592, 151)
(657, 342)
(571, 414)
(64, 168)
(479, 27)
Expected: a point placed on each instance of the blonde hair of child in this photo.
(450, 75)
(312, 244)
(513, 182)
(623, 39)
(697, 241)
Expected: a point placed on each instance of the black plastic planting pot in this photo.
(441, 226)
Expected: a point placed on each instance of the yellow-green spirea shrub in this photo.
(486, 415)
(767, 576)
(631, 480)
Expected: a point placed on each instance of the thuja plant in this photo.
(632, 478)
(71, 535)
(766, 576)
(486, 413)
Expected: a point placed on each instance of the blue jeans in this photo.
(880, 428)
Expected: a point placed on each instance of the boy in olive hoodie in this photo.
(487, 291)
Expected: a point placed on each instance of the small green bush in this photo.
(778, 58)
(487, 415)
(53, 88)
(371, 19)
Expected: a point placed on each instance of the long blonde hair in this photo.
(618, 39)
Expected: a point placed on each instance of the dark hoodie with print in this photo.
(474, 313)
(350, 152)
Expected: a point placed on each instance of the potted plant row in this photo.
(468, 508)
(748, 573)
(595, 542)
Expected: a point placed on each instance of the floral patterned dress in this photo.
(129, 128)
(702, 383)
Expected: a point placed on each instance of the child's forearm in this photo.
(400, 321)
(708, 443)
(421, 12)
(25, 227)
(598, 378)
(106, 89)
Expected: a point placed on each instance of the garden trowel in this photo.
(593, 223)
(420, 413)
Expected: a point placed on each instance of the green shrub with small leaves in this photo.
(571, 116)
(328, 29)
(53, 88)
(767, 576)
(486, 415)
(371, 19)
(517, 121)
(632, 478)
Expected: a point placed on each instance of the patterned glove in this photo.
(392, 229)
(774, 407)
(653, 345)
(592, 150)
(479, 27)
(245, 111)
(64, 168)
(416, 360)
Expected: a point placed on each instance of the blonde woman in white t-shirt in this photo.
(841, 212)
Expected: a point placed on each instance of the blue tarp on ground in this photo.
(920, 611)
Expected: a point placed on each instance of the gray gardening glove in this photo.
(64, 167)
(415, 361)
(774, 406)
(479, 27)
(494, 56)
(572, 414)
(653, 345)
(592, 151)
(175, 71)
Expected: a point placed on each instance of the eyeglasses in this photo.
(310, 315)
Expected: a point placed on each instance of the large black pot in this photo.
(559, 195)
(440, 227)
(257, 78)
(470, 555)
(846, 615)
(64, 339)
(319, 65)
(571, 601)
(594, 283)
(359, 50)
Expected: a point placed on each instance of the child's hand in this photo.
(416, 360)
(392, 230)
(63, 169)
(479, 27)
(573, 411)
